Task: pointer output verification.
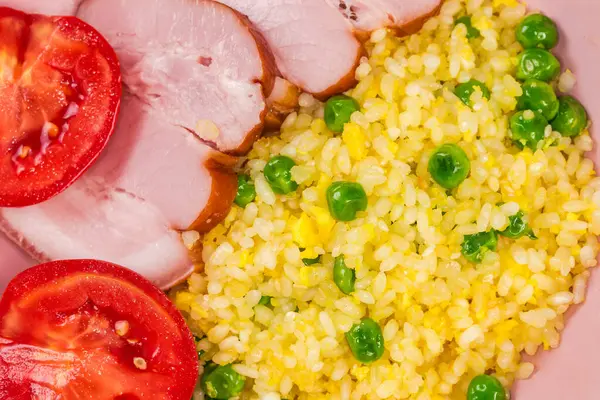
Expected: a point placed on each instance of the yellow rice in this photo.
(444, 320)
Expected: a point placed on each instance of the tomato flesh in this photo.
(89, 329)
(60, 88)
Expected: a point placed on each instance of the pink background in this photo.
(571, 371)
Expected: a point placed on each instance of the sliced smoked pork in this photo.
(190, 183)
(314, 46)
(153, 180)
(405, 15)
(91, 220)
(196, 63)
(48, 7)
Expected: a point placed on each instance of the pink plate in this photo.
(570, 372)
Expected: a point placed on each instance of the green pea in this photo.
(311, 261)
(366, 341)
(338, 110)
(518, 227)
(537, 64)
(539, 96)
(464, 91)
(345, 199)
(264, 300)
(474, 247)
(449, 165)
(472, 32)
(571, 118)
(343, 276)
(246, 192)
(221, 382)
(278, 173)
(528, 128)
(537, 30)
(485, 387)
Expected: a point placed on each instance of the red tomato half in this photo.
(84, 329)
(60, 89)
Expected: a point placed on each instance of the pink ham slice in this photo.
(369, 15)
(49, 7)
(314, 46)
(152, 180)
(196, 63)
(90, 220)
(167, 166)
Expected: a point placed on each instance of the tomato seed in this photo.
(51, 129)
(24, 151)
(140, 363)
(121, 328)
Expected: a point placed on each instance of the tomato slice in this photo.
(85, 329)
(60, 90)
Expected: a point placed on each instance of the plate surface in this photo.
(571, 371)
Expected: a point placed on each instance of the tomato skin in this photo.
(35, 314)
(65, 80)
